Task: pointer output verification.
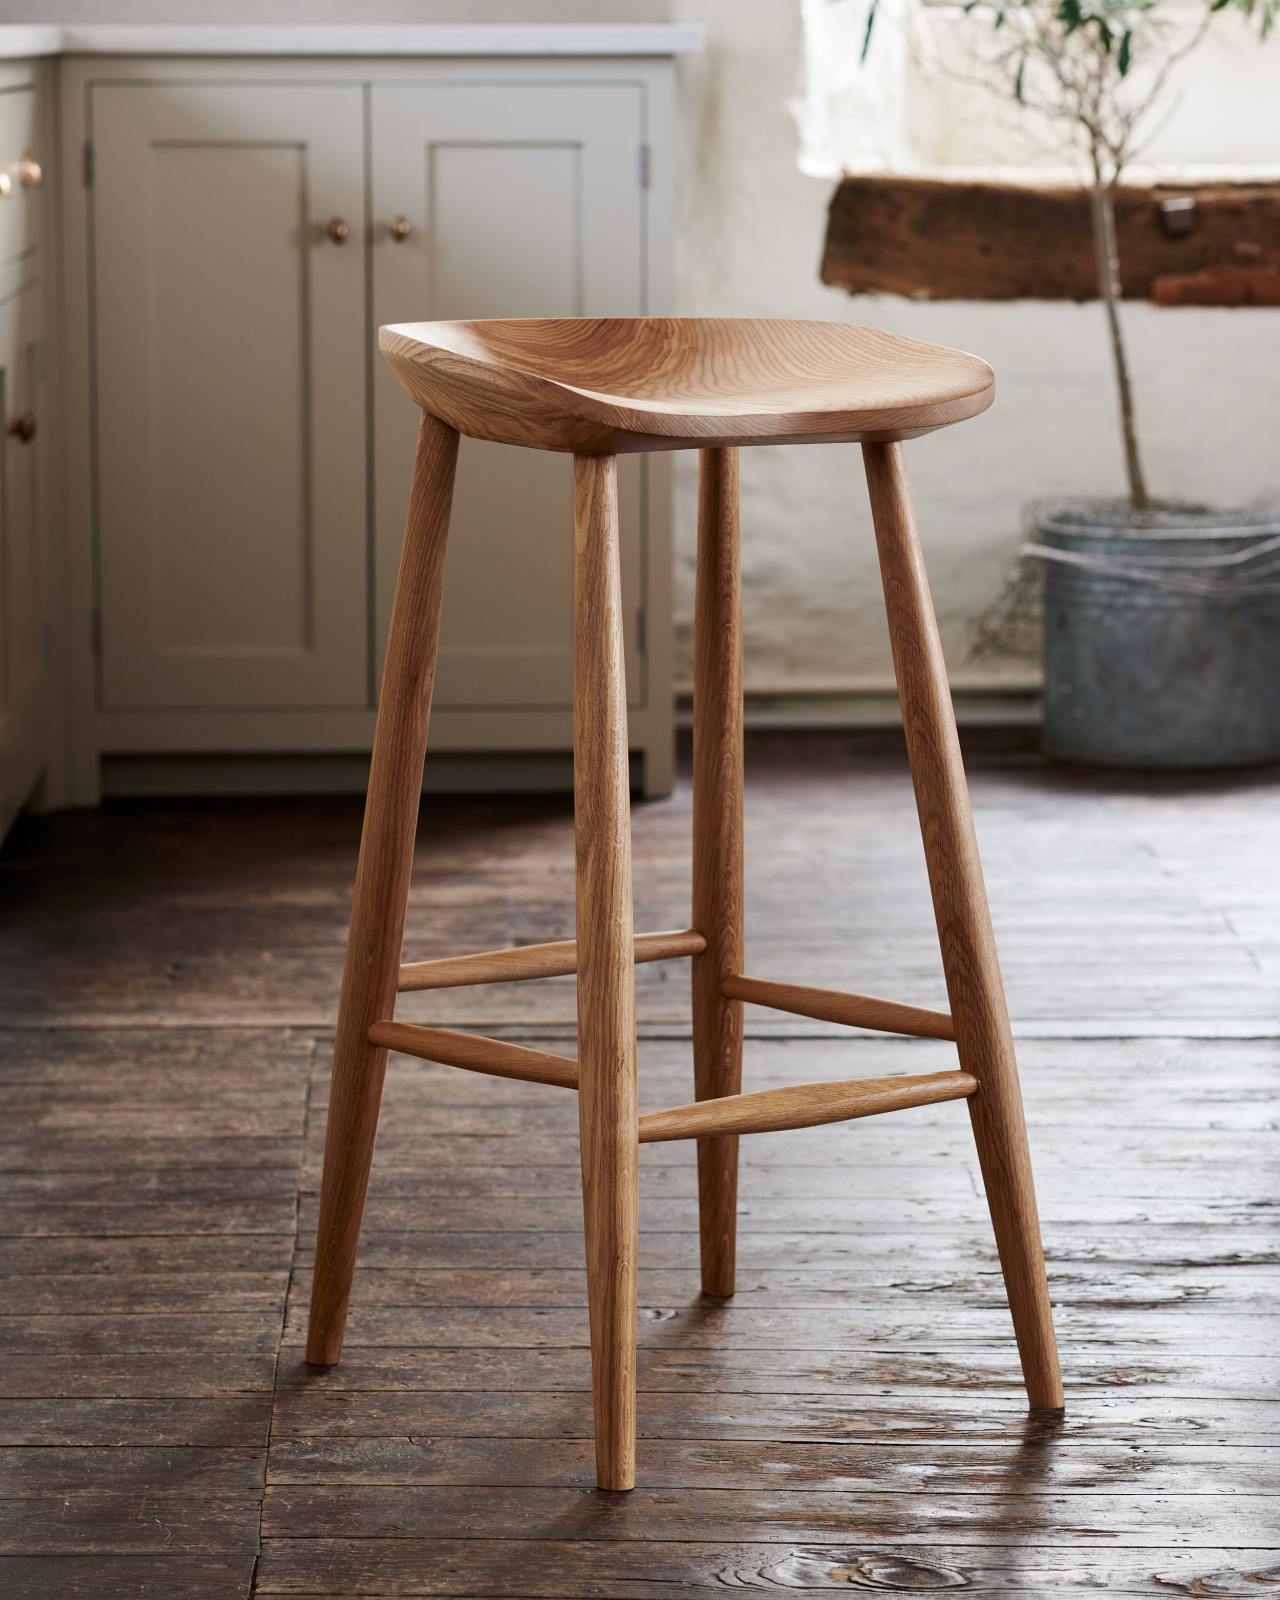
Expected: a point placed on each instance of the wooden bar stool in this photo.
(599, 388)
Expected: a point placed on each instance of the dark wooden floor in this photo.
(852, 1419)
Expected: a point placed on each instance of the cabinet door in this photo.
(230, 341)
(522, 199)
(25, 668)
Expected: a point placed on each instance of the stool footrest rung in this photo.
(555, 960)
(803, 1105)
(475, 1053)
(831, 1005)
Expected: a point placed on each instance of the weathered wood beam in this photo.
(803, 1105)
(1203, 243)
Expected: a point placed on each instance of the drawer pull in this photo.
(339, 230)
(399, 228)
(6, 185)
(23, 428)
(30, 172)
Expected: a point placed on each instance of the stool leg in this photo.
(984, 1041)
(606, 971)
(717, 849)
(382, 887)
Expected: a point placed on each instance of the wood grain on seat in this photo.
(606, 385)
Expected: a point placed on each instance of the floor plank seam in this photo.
(284, 1308)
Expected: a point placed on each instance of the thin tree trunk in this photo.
(1104, 237)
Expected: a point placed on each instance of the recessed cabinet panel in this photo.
(201, 260)
(230, 396)
(523, 199)
(526, 251)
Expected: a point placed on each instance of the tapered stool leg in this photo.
(717, 850)
(382, 887)
(606, 972)
(984, 1041)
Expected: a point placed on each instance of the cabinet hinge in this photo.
(88, 163)
(642, 631)
(646, 165)
(95, 630)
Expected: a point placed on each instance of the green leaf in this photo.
(1263, 12)
(1126, 52)
(866, 37)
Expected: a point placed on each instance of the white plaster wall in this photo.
(751, 230)
(751, 227)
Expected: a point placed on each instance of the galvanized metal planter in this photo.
(1162, 635)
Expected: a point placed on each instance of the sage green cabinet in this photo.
(244, 455)
(28, 725)
(30, 710)
(508, 201)
(229, 374)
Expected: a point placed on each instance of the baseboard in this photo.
(524, 773)
(140, 776)
(796, 713)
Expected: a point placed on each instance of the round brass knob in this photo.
(399, 229)
(30, 172)
(6, 185)
(23, 428)
(338, 230)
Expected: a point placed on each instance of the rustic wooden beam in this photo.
(1203, 243)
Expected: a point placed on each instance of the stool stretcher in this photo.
(831, 1005)
(475, 1053)
(803, 1105)
(556, 960)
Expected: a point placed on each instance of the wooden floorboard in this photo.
(852, 1420)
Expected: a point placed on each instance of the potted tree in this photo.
(1161, 619)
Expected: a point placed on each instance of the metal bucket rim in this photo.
(1056, 518)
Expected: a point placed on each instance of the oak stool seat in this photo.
(619, 384)
(600, 387)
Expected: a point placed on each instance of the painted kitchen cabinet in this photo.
(244, 455)
(29, 719)
(26, 667)
(564, 242)
(229, 342)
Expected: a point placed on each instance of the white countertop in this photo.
(287, 39)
